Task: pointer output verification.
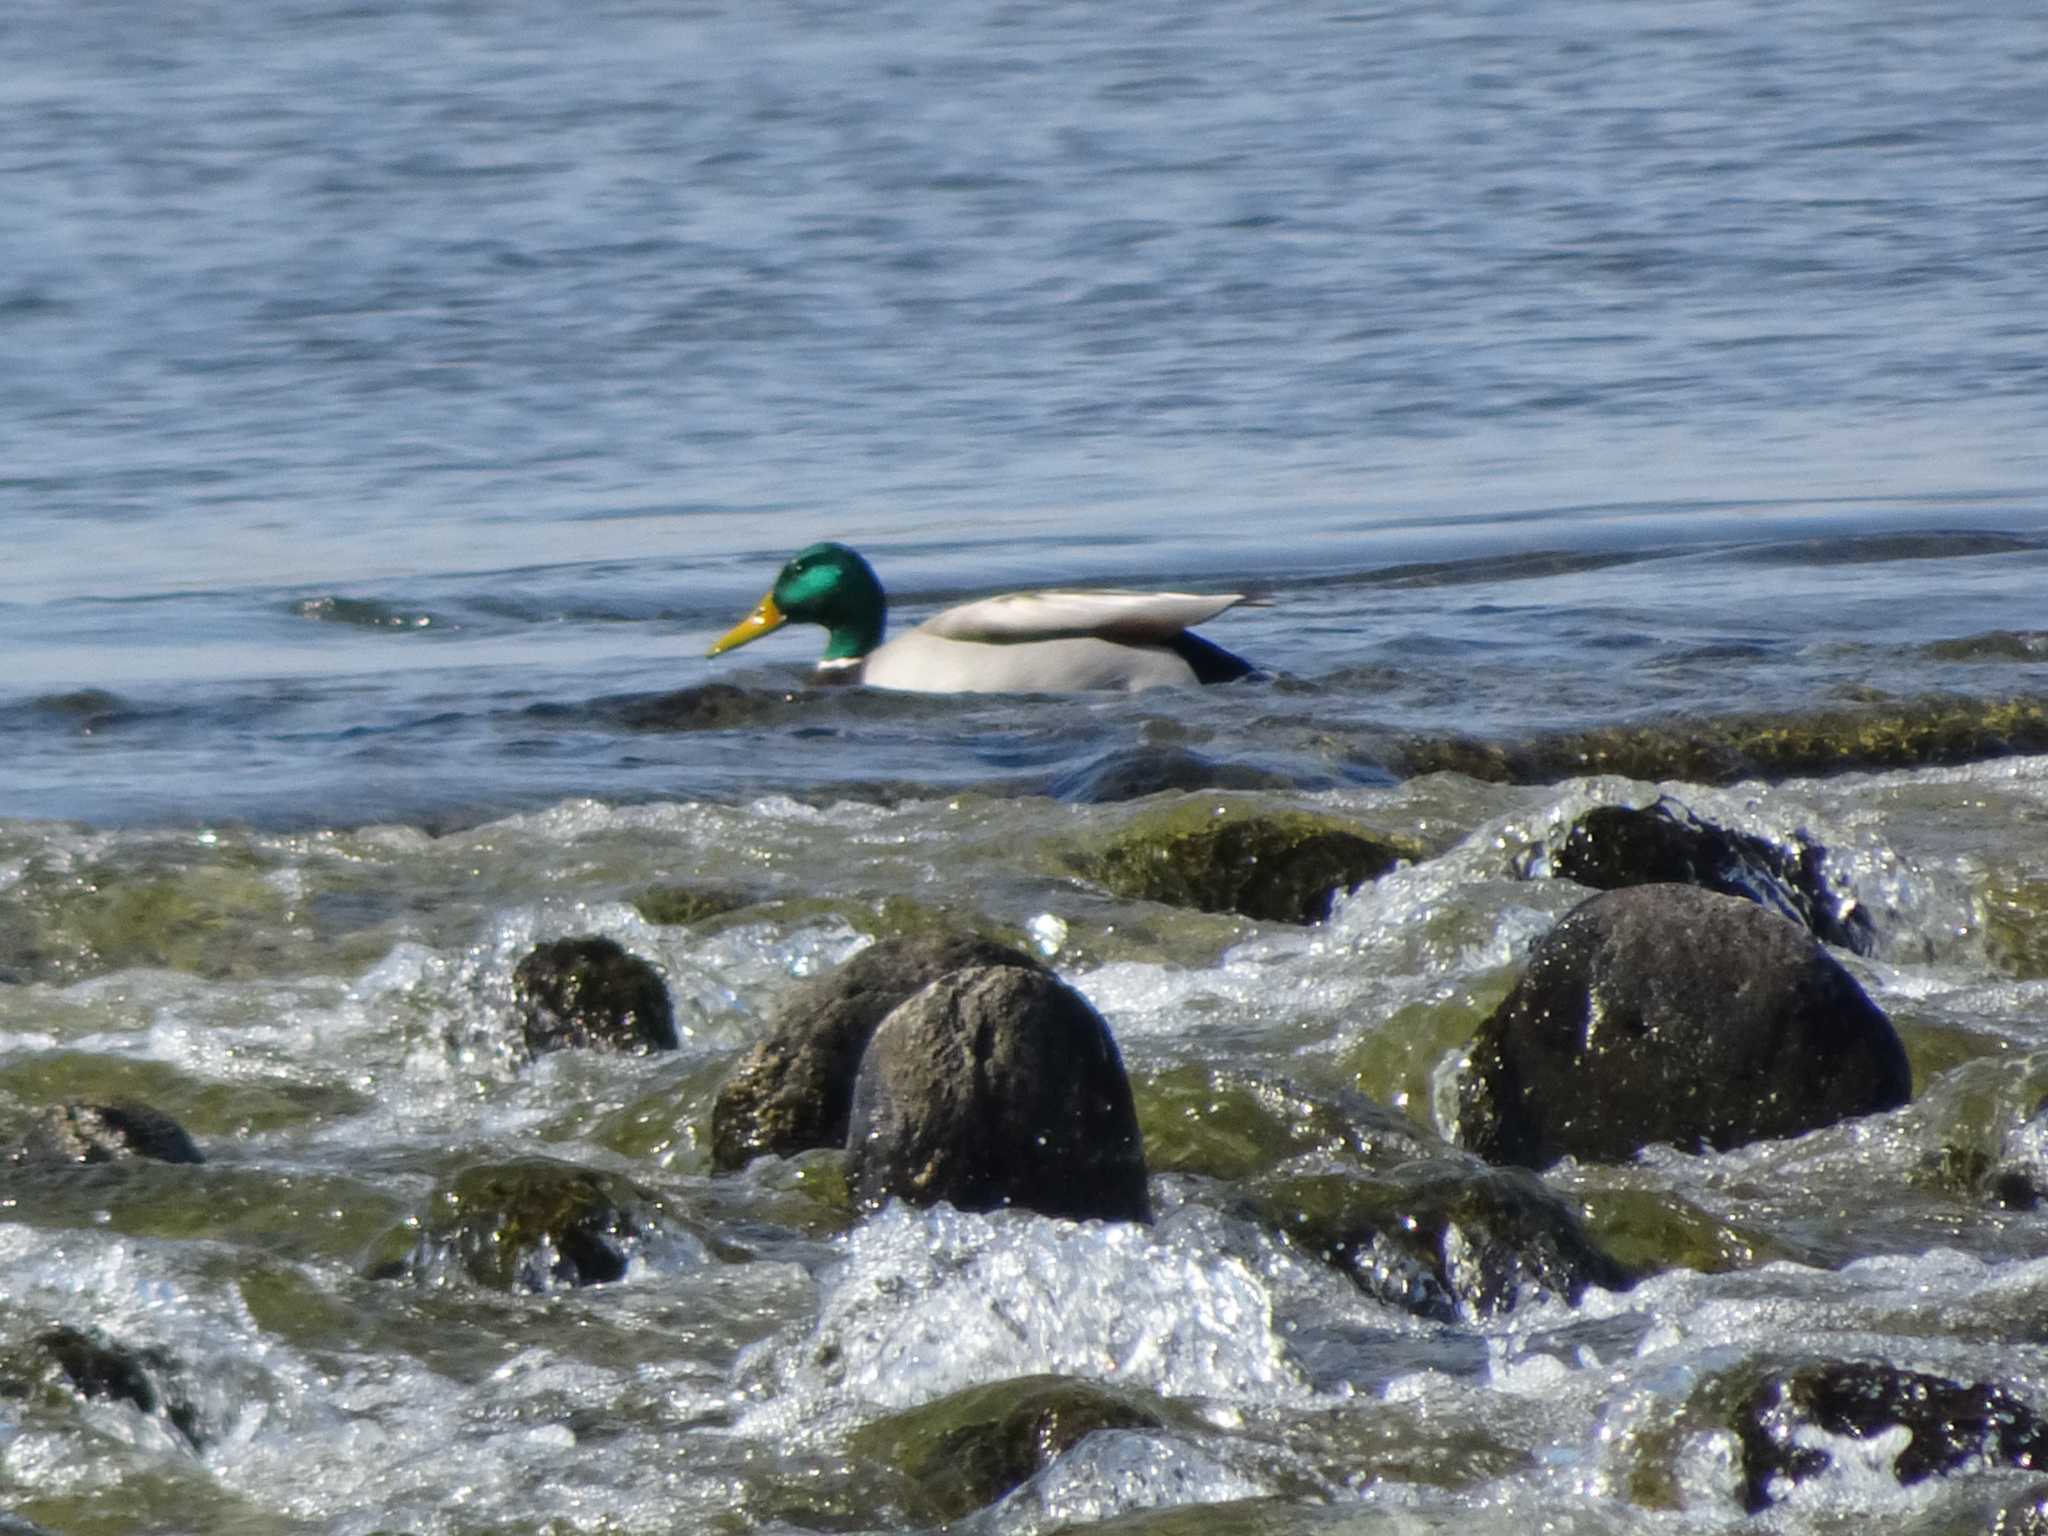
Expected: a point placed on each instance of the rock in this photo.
(1280, 867)
(1952, 1425)
(792, 1090)
(1135, 772)
(970, 1448)
(1448, 1239)
(94, 1366)
(588, 992)
(1614, 846)
(1664, 1013)
(533, 1224)
(997, 1086)
(105, 1133)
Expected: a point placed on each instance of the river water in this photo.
(1606, 400)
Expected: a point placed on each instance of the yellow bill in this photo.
(765, 619)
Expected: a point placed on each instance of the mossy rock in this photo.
(676, 906)
(1651, 1230)
(1226, 1123)
(1896, 733)
(1271, 866)
(1448, 1239)
(533, 1225)
(968, 1449)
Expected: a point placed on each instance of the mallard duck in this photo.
(1024, 642)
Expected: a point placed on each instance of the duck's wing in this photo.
(1138, 618)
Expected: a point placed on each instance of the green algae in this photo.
(1232, 1125)
(2014, 915)
(206, 1108)
(1397, 1061)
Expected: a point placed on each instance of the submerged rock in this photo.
(97, 1367)
(1135, 772)
(792, 1091)
(1449, 1239)
(105, 1133)
(1951, 1425)
(992, 1087)
(1615, 846)
(1665, 1013)
(970, 1448)
(1281, 867)
(588, 992)
(528, 1225)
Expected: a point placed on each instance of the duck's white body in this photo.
(1024, 642)
(1047, 642)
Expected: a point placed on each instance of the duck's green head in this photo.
(826, 584)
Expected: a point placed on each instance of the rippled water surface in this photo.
(1608, 401)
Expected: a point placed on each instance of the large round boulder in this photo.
(793, 1089)
(1666, 1013)
(993, 1087)
(587, 992)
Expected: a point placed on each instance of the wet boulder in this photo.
(1271, 866)
(992, 1087)
(1448, 1239)
(792, 1091)
(1614, 846)
(968, 1449)
(533, 1225)
(1951, 1424)
(1665, 1013)
(121, 1131)
(587, 992)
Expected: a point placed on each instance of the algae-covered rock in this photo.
(1449, 1239)
(793, 1089)
(1614, 846)
(1951, 1424)
(105, 1133)
(588, 992)
(1235, 1123)
(1900, 733)
(528, 1225)
(992, 1087)
(1664, 1013)
(676, 905)
(969, 1449)
(1272, 866)
(2014, 914)
(92, 1365)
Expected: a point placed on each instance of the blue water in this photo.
(376, 373)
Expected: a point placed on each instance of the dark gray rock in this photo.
(1952, 1425)
(1665, 1013)
(1449, 1238)
(105, 1133)
(1614, 846)
(992, 1087)
(792, 1090)
(588, 992)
